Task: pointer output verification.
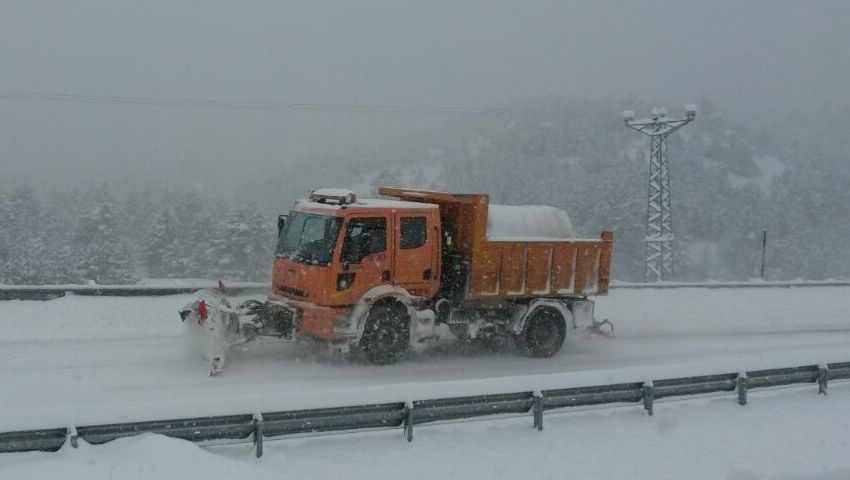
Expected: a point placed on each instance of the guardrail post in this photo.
(408, 420)
(741, 388)
(823, 378)
(537, 409)
(648, 396)
(73, 436)
(258, 433)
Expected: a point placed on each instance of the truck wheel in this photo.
(387, 333)
(543, 334)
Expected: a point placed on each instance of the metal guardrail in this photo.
(408, 414)
(48, 292)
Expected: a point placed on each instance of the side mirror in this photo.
(281, 221)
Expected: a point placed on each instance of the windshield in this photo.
(308, 238)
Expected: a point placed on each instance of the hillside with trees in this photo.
(730, 181)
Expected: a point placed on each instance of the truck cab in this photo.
(333, 250)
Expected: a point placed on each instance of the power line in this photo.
(210, 103)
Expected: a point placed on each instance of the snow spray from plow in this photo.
(406, 413)
(225, 326)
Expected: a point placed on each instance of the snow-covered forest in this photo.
(730, 181)
(92, 234)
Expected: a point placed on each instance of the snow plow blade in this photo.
(224, 326)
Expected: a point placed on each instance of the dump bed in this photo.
(533, 265)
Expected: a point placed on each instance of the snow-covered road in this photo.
(90, 360)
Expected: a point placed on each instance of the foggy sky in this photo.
(747, 56)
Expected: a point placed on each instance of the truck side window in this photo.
(413, 232)
(363, 237)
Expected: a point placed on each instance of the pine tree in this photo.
(160, 249)
(255, 243)
(102, 254)
(137, 218)
(25, 250)
(59, 218)
(242, 250)
(5, 238)
(198, 242)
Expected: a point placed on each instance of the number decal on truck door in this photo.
(378, 257)
(364, 237)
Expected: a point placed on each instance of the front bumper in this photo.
(274, 319)
(319, 321)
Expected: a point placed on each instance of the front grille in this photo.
(294, 292)
(459, 317)
(278, 320)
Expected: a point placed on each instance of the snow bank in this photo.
(697, 439)
(694, 439)
(145, 457)
(144, 284)
(691, 312)
(90, 317)
(527, 222)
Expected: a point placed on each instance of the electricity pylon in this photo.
(659, 218)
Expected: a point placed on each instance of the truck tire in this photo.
(543, 334)
(386, 336)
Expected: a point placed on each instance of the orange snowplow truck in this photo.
(382, 275)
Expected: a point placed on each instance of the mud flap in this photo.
(604, 328)
(583, 314)
(424, 331)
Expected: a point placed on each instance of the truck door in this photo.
(415, 240)
(364, 260)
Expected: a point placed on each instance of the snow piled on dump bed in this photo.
(694, 439)
(527, 223)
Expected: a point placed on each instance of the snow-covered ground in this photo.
(783, 434)
(87, 360)
(82, 360)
